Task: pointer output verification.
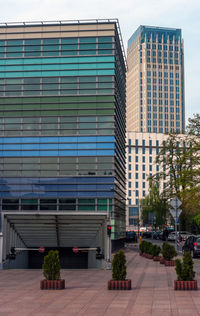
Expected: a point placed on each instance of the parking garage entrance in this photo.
(59, 231)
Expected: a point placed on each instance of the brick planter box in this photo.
(156, 258)
(162, 260)
(119, 285)
(140, 253)
(52, 284)
(169, 263)
(185, 285)
(146, 255)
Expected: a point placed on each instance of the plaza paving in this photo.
(86, 293)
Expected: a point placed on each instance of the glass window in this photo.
(105, 39)
(29, 204)
(87, 39)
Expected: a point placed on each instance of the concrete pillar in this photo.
(1, 249)
(4, 225)
(7, 237)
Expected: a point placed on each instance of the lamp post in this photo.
(138, 220)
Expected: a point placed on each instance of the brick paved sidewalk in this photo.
(86, 293)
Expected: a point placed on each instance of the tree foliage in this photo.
(154, 204)
(51, 265)
(180, 161)
(184, 269)
(193, 127)
(119, 266)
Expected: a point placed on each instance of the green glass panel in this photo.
(86, 112)
(103, 39)
(105, 85)
(105, 51)
(69, 40)
(13, 93)
(87, 39)
(69, 47)
(69, 52)
(105, 79)
(50, 48)
(68, 80)
(105, 91)
(102, 208)
(87, 85)
(32, 53)
(68, 86)
(65, 106)
(87, 119)
(14, 42)
(33, 42)
(87, 52)
(50, 80)
(29, 201)
(58, 60)
(32, 87)
(87, 46)
(100, 112)
(55, 53)
(11, 167)
(84, 201)
(68, 92)
(102, 201)
(50, 41)
(12, 87)
(14, 55)
(56, 73)
(86, 208)
(32, 48)
(104, 46)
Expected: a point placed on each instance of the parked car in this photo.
(172, 236)
(192, 244)
(165, 233)
(156, 235)
(131, 236)
(147, 234)
(184, 235)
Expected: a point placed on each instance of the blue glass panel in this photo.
(53, 139)
(52, 187)
(87, 146)
(106, 145)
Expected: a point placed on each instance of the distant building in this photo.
(155, 81)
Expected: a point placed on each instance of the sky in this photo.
(182, 14)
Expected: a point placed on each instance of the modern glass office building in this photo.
(62, 123)
(155, 81)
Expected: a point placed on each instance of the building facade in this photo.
(141, 151)
(155, 81)
(62, 103)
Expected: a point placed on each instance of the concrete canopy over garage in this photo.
(60, 230)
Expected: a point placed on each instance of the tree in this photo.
(180, 160)
(154, 203)
(193, 127)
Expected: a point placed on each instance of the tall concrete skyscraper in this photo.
(155, 81)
